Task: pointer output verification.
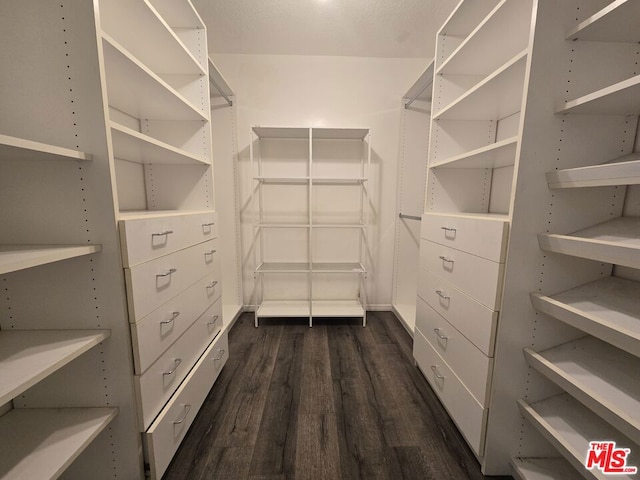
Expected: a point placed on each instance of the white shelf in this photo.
(337, 267)
(316, 267)
(487, 217)
(283, 308)
(283, 180)
(215, 76)
(337, 181)
(283, 225)
(323, 133)
(321, 308)
(42, 443)
(281, 132)
(622, 98)
(140, 148)
(337, 308)
(569, 427)
(617, 22)
(178, 14)
(543, 469)
(20, 257)
(616, 241)
(136, 90)
(466, 17)
(622, 171)
(421, 90)
(284, 267)
(13, 148)
(495, 155)
(28, 356)
(497, 96)
(142, 214)
(602, 377)
(338, 225)
(608, 309)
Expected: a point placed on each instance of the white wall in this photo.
(288, 90)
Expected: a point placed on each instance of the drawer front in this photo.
(157, 331)
(474, 320)
(144, 239)
(164, 436)
(465, 411)
(471, 366)
(486, 238)
(154, 283)
(155, 386)
(478, 277)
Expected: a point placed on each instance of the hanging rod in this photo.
(218, 82)
(424, 82)
(410, 217)
(219, 89)
(415, 97)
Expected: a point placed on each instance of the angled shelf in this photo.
(495, 155)
(622, 98)
(616, 241)
(602, 377)
(283, 267)
(28, 356)
(14, 148)
(281, 132)
(219, 83)
(134, 146)
(622, 171)
(543, 469)
(282, 180)
(178, 15)
(617, 22)
(421, 90)
(20, 257)
(497, 96)
(136, 90)
(569, 427)
(466, 17)
(42, 443)
(608, 309)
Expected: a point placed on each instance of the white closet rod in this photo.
(410, 217)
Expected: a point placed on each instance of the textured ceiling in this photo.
(363, 28)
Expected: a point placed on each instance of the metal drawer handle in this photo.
(187, 407)
(210, 252)
(448, 229)
(172, 270)
(174, 316)
(445, 259)
(442, 295)
(177, 362)
(440, 336)
(220, 357)
(162, 234)
(212, 284)
(434, 369)
(214, 319)
(208, 224)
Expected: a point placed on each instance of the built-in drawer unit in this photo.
(165, 434)
(471, 366)
(145, 237)
(466, 412)
(474, 320)
(463, 233)
(156, 385)
(478, 277)
(153, 334)
(151, 284)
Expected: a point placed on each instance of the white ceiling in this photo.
(363, 28)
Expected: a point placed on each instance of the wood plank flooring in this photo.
(336, 401)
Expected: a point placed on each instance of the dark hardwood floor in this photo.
(336, 401)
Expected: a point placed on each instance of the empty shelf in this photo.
(178, 14)
(543, 469)
(42, 443)
(281, 132)
(622, 171)
(339, 133)
(622, 98)
(616, 241)
(466, 17)
(337, 181)
(20, 257)
(13, 148)
(138, 147)
(283, 225)
(617, 22)
(569, 427)
(283, 267)
(337, 308)
(608, 309)
(321, 308)
(338, 267)
(602, 377)
(495, 155)
(284, 308)
(283, 180)
(338, 225)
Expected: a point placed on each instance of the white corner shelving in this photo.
(622, 98)
(622, 171)
(617, 22)
(13, 148)
(496, 155)
(543, 469)
(19, 257)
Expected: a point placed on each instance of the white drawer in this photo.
(153, 283)
(471, 366)
(474, 320)
(482, 236)
(164, 436)
(478, 277)
(157, 331)
(155, 386)
(145, 238)
(465, 411)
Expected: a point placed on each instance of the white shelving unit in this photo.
(543, 469)
(12, 148)
(19, 257)
(621, 171)
(306, 217)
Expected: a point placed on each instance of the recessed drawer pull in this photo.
(162, 234)
(187, 407)
(434, 369)
(440, 336)
(173, 317)
(177, 362)
(210, 252)
(220, 357)
(445, 259)
(214, 319)
(208, 224)
(442, 295)
(448, 229)
(172, 270)
(212, 284)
